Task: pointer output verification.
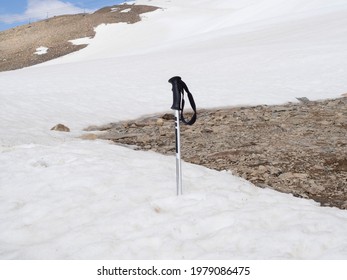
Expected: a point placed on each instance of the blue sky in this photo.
(17, 12)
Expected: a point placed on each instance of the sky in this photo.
(13, 13)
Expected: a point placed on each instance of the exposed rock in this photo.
(160, 122)
(99, 128)
(297, 148)
(89, 136)
(60, 127)
(304, 100)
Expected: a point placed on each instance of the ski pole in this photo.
(178, 88)
(177, 107)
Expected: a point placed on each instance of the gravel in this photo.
(298, 148)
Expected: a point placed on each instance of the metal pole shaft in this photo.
(178, 154)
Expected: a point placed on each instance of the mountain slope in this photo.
(62, 197)
(18, 45)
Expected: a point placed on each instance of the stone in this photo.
(262, 168)
(89, 136)
(300, 175)
(286, 176)
(160, 122)
(99, 128)
(304, 100)
(60, 127)
(168, 117)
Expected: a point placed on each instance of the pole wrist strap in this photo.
(183, 87)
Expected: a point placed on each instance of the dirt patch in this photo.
(298, 148)
(18, 45)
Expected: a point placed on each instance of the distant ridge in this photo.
(18, 45)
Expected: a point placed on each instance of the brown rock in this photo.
(60, 127)
(160, 122)
(89, 136)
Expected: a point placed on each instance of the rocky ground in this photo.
(18, 45)
(298, 148)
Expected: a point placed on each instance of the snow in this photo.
(41, 50)
(125, 10)
(81, 41)
(66, 198)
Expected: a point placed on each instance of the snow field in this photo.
(120, 205)
(65, 198)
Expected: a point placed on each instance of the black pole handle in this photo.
(176, 81)
(178, 89)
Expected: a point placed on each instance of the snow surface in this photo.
(125, 11)
(66, 198)
(41, 50)
(81, 41)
